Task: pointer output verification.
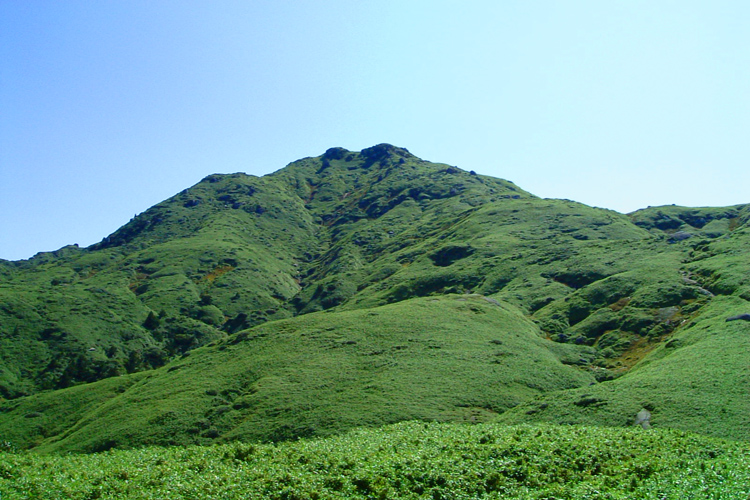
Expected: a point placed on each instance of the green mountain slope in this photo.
(364, 288)
(697, 377)
(231, 252)
(453, 357)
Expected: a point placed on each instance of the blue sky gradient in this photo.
(107, 108)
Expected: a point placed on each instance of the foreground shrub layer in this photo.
(411, 460)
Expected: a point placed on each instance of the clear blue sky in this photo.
(108, 107)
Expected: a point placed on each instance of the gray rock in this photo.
(643, 418)
(744, 317)
(491, 301)
(680, 235)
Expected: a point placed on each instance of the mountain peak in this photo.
(372, 154)
(381, 151)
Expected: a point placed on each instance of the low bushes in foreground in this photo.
(411, 460)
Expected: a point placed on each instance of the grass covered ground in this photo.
(229, 253)
(695, 374)
(697, 380)
(411, 460)
(450, 357)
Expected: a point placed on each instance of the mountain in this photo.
(356, 289)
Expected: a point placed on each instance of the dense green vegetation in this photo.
(231, 252)
(361, 289)
(449, 357)
(695, 374)
(410, 461)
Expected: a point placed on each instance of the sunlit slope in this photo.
(697, 377)
(231, 252)
(158, 287)
(452, 357)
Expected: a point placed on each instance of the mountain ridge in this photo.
(233, 256)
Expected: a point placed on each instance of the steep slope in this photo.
(155, 288)
(231, 252)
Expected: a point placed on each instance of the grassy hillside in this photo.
(231, 252)
(365, 288)
(405, 461)
(697, 376)
(452, 357)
